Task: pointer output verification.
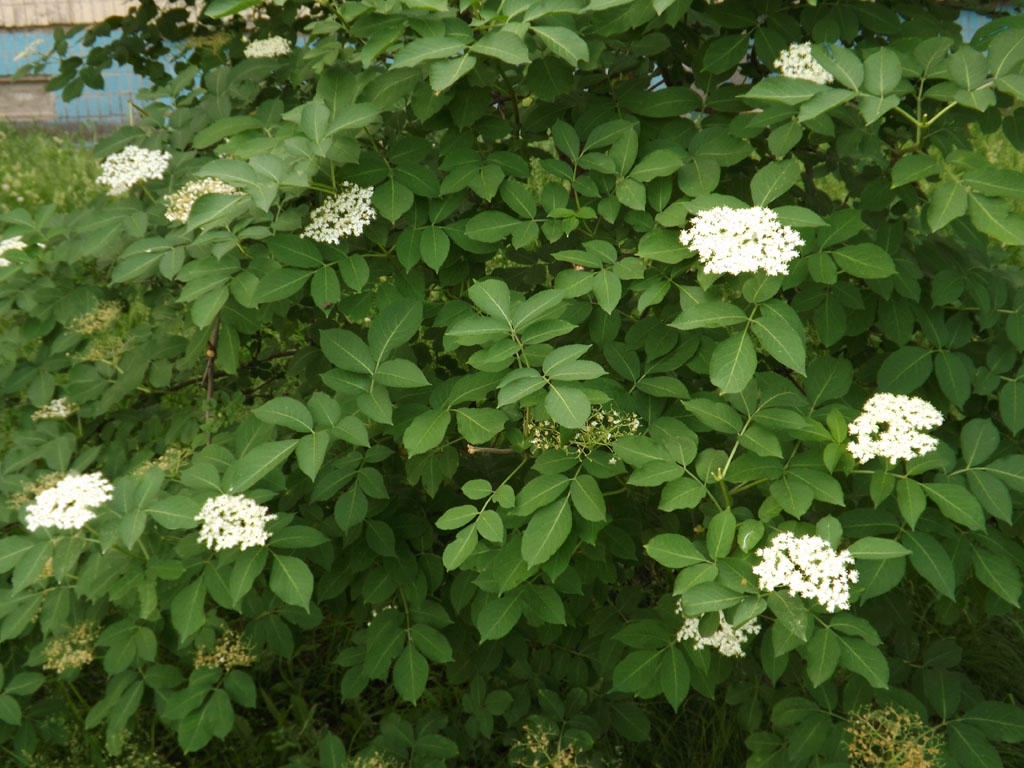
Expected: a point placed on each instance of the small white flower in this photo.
(808, 567)
(905, 417)
(230, 521)
(727, 639)
(737, 240)
(132, 164)
(269, 48)
(31, 49)
(797, 62)
(70, 504)
(343, 215)
(55, 409)
(11, 244)
(179, 204)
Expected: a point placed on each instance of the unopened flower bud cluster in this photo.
(807, 566)
(179, 203)
(737, 240)
(727, 639)
(798, 63)
(131, 165)
(343, 215)
(233, 521)
(15, 243)
(171, 461)
(268, 48)
(70, 504)
(891, 426)
(230, 651)
(71, 651)
(59, 408)
(31, 489)
(97, 320)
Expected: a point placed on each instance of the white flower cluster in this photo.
(31, 49)
(808, 567)
(132, 164)
(346, 214)
(268, 48)
(179, 204)
(55, 409)
(727, 639)
(230, 521)
(903, 439)
(69, 504)
(736, 240)
(11, 244)
(798, 63)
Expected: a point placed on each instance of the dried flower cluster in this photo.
(727, 639)
(179, 204)
(73, 650)
(798, 63)
(891, 738)
(70, 504)
(534, 749)
(31, 489)
(171, 461)
(11, 244)
(343, 215)
(230, 651)
(904, 418)
(807, 566)
(233, 521)
(738, 240)
(376, 760)
(59, 408)
(97, 320)
(132, 164)
(268, 48)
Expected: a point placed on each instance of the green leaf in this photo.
(874, 548)
(245, 472)
(431, 643)
(718, 416)
(774, 180)
(993, 217)
(636, 671)
(434, 247)
(217, 209)
(10, 709)
(684, 493)
(426, 49)
(546, 532)
(823, 653)
(721, 533)
(607, 290)
(563, 42)
(946, 201)
(725, 52)
(791, 613)
(997, 720)
(675, 677)
(733, 363)
(401, 374)
(426, 431)
(708, 597)
(444, 74)
(504, 46)
(393, 327)
(187, 614)
(655, 164)
(931, 561)
(410, 674)
(957, 504)
(492, 296)
(498, 616)
(347, 351)
(221, 129)
(970, 748)
(783, 90)
(567, 405)
(865, 260)
(310, 453)
(286, 412)
(714, 314)
(673, 551)
(882, 72)
(905, 370)
(865, 660)
(247, 567)
(1011, 406)
(291, 580)
(392, 199)
(999, 574)
(587, 498)
(913, 168)
(776, 328)
(218, 8)
(478, 425)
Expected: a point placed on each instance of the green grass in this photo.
(37, 168)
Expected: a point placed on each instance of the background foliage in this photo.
(422, 600)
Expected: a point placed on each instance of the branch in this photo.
(208, 375)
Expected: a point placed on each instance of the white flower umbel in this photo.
(798, 63)
(179, 204)
(132, 164)
(70, 504)
(230, 521)
(904, 417)
(268, 48)
(344, 215)
(55, 409)
(808, 567)
(737, 240)
(11, 244)
(727, 639)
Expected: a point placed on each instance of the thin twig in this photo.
(208, 376)
(484, 449)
